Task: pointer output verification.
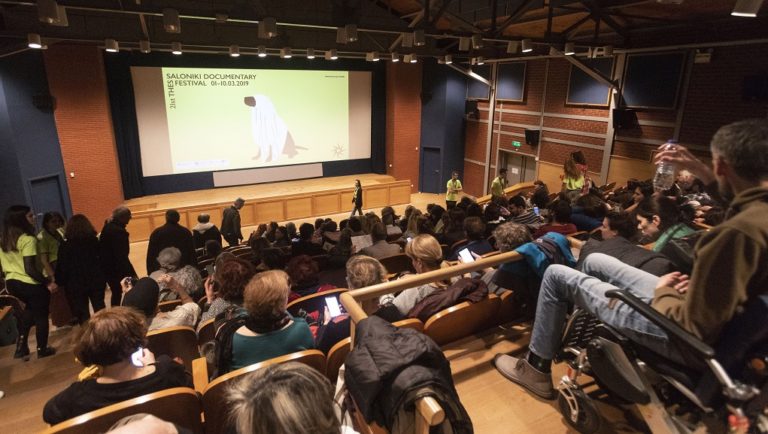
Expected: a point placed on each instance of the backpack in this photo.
(218, 352)
(472, 290)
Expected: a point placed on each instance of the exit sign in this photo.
(516, 144)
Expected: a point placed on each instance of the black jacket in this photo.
(114, 248)
(388, 364)
(78, 264)
(170, 235)
(628, 253)
(358, 199)
(200, 235)
(230, 224)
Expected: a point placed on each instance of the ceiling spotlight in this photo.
(351, 30)
(262, 51)
(310, 53)
(234, 50)
(414, 58)
(111, 46)
(171, 21)
(553, 51)
(409, 58)
(331, 54)
(285, 53)
(221, 18)
(480, 60)
(570, 49)
(49, 12)
(608, 51)
(372, 56)
(406, 40)
(477, 41)
(512, 47)
(464, 43)
(747, 8)
(527, 46)
(267, 28)
(448, 59)
(418, 38)
(176, 48)
(395, 57)
(144, 46)
(34, 41)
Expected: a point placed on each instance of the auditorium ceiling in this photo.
(212, 26)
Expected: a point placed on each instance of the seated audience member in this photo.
(402, 222)
(588, 212)
(269, 331)
(643, 190)
(281, 237)
(356, 225)
(413, 224)
(212, 249)
(424, 226)
(143, 296)
(266, 401)
(292, 232)
(317, 234)
(303, 271)
(388, 217)
(476, 242)
(274, 259)
(659, 220)
(171, 234)
(170, 265)
(508, 237)
(205, 231)
(728, 269)
(258, 246)
(270, 233)
(453, 231)
(426, 255)
(475, 210)
(225, 288)
(146, 424)
(305, 246)
(540, 196)
(108, 341)
(260, 232)
(362, 271)
(618, 232)
(380, 247)
(560, 220)
(342, 250)
(519, 213)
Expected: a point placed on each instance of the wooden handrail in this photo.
(512, 190)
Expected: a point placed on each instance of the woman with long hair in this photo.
(357, 199)
(78, 270)
(573, 180)
(49, 240)
(18, 257)
(660, 220)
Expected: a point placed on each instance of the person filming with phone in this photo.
(115, 340)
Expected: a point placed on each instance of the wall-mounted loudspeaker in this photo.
(44, 102)
(624, 119)
(470, 110)
(532, 137)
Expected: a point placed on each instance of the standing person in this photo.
(453, 188)
(230, 223)
(573, 180)
(357, 199)
(499, 183)
(171, 234)
(114, 248)
(18, 257)
(581, 164)
(78, 271)
(49, 239)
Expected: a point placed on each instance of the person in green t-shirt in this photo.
(24, 279)
(453, 189)
(499, 183)
(48, 241)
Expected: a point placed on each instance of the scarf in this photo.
(267, 324)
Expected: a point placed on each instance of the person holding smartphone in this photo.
(115, 340)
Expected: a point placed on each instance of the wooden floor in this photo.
(494, 404)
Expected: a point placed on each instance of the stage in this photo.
(277, 201)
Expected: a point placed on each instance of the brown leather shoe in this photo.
(521, 372)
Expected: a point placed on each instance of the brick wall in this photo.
(403, 121)
(77, 82)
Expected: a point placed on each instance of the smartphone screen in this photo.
(466, 256)
(409, 239)
(136, 358)
(333, 306)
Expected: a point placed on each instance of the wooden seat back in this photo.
(462, 320)
(397, 263)
(214, 396)
(167, 306)
(179, 341)
(206, 332)
(313, 302)
(179, 405)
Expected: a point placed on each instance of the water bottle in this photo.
(665, 170)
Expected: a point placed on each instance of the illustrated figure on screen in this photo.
(269, 130)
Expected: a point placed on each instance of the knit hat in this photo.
(143, 296)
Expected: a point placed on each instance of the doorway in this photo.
(520, 167)
(430, 175)
(47, 195)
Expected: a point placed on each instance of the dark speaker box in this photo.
(44, 102)
(624, 119)
(532, 137)
(471, 110)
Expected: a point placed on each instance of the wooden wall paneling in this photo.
(326, 203)
(621, 169)
(265, 212)
(375, 198)
(248, 214)
(399, 194)
(140, 227)
(298, 207)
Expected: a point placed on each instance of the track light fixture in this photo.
(448, 59)
(747, 8)
(464, 43)
(480, 60)
(527, 45)
(372, 56)
(34, 41)
(346, 34)
(111, 46)
(608, 51)
(171, 22)
(570, 49)
(234, 50)
(267, 28)
(331, 54)
(512, 47)
(395, 57)
(144, 46)
(286, 53)
(477, 41)
(50, 12)
(406, 40)
(176, 48)
(419, 39)
(310, 53)
(261, 51)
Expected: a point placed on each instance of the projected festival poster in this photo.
(220, 119)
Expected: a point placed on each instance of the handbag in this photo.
(61, 313)
(680, 251)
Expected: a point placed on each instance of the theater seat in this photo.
(167, 306)
(206, 332)
(177, 341)
(462, 320)
(214, 396)
(397, 263)
(179, 405)
(313, 302)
